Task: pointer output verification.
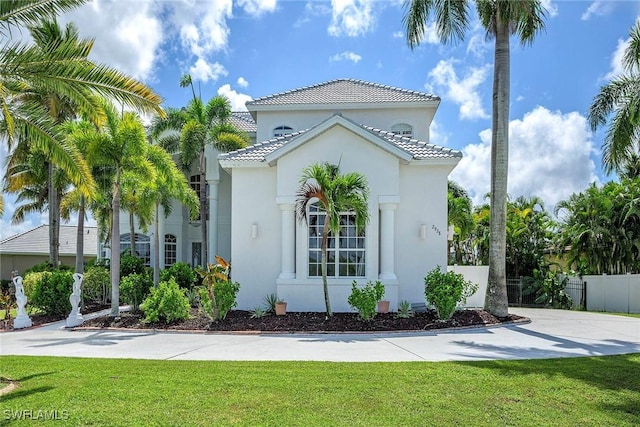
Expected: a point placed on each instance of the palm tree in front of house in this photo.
(190, 130)
(336, 194)
(620, 97)
(500, 19)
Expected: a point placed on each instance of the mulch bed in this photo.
(41, 319)
(241, 321)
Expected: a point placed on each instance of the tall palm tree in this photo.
(336, 194)
(121, 144)
(620, 97)
(459, 214)
(191, 129)
(62, 69)
(500, 19)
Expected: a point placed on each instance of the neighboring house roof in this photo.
(343, 92)
(403, 147)
(36, 241)
(243, 121)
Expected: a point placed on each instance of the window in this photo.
(195, 183)
(170, 249)
(402, 129)
(142, 249)
(281, 131)
(349, 246)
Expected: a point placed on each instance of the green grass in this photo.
(106, 392)
(14, 312)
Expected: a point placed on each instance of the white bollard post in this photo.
(75, 317)
(22, 320)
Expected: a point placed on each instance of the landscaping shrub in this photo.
(445, 290)
(365, 299)
(130, 264)
(46, 266)
(30, 280)
(51, 293)
(549, 288)
(218, 292)
(96, 285)
(135, 288)
(182, 272)
(166, 303)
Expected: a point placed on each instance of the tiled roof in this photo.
(344, 91)
(243, 121)
(419, 150)
(36, 241)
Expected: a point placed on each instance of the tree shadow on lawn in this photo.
(620, 373)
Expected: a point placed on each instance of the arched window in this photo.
(282, 130)
(170, 249)
(142, 249)
(402, 129)
(349, 246)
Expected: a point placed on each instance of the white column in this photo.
(387, 241)
(161, 232)
(212, 238)
(288, 268)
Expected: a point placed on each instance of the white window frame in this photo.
(170, 249)
(351, 261)
(282, 130)
(402, 129)
(143, 246)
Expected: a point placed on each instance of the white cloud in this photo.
(346, 56)
(437, 135)
(351, 18)
(237, 99)
(463, 92)
(597, 8)
(616, 59)
(204, 71)
(242, 82)
(520, 98)
(257, 7)
(549, 156)
(128, 34)
(552, 9)
(398, 35)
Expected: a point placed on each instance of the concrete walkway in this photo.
(551, 333)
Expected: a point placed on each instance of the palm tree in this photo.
(120, 144)
(459, 217)
(190, 130)
(336, 194)
(500, 19)
(63, 69)
(620, 97)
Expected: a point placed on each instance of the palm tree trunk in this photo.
(132, 235)
(156, 250)
(496, 301)
(115, 248)
(203, 211)
(80, 238)
(54, 220)
(323, 266)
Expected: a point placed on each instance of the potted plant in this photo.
(281, 307)
(383, 306)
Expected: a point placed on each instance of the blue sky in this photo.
(249, 48)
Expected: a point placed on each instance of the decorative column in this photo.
(288, 215)
(387, 239)
(212, 238)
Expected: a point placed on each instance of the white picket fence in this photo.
(616, 293)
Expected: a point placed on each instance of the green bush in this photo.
(46, 266)
(96, 285)
(366, 298)
(219, 298)
(445, 290)
(31, 280)
(51, 293)
(135, 288)
(130, 264)
(182, 272)
(166, 303)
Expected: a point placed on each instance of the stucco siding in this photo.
(255, 262)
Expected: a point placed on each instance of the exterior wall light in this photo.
(423, 231)
(254, 231)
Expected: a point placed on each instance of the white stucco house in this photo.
(379, 131)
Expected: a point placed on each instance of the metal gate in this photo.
(522, 294)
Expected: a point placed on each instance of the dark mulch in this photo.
(41, 319)
(239, 320)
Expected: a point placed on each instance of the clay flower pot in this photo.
(281, 308)
(383, 306)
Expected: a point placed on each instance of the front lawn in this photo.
(575, 391)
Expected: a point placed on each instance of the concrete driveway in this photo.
(550, 334)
